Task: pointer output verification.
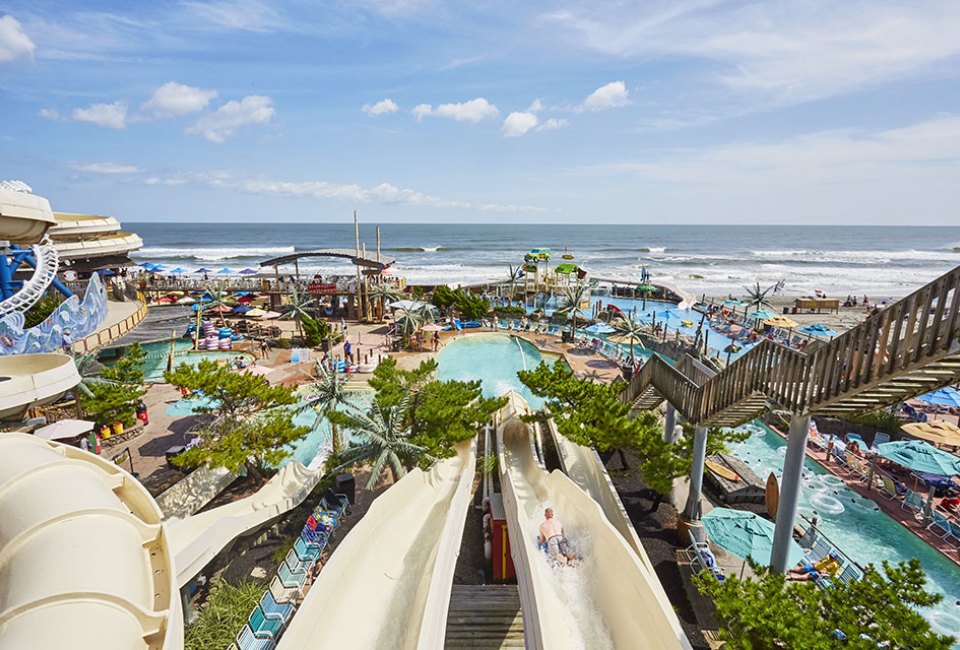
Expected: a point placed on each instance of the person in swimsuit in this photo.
(551, 534)
(827, 567)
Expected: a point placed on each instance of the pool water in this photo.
(494, 359)
(159, 353)
(856, 524)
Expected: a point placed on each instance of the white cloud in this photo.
(239, 15)
(50, 114)
(611, 95)
(383, 193)
(14, 43)
(173, 100)
(224, 123)
(421, 111)
(535, 107)
(475, 110)
(785, 51)
(105, 168)
(518, 123)
(111, 116)
(383, 107)
(552, 124)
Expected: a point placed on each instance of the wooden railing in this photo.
(107, 334)
(911, 335)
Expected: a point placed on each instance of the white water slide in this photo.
(612, 599)
(25, 219)
(388, 584)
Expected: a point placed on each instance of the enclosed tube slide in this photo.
(611, 599)
(196, 540)
(34, 379)
(84, 560)
(388, 583)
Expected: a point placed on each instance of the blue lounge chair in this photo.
(939, 521)
(282, 594)
(315, 538)
(335, 502)
(702, 559)
(274, 610)
(290, 578)
(295, 563)
(305, 551)
(247, 639)
(853, 437)
(954, 536)
(879, 439)
(912, 501)
(262, 625)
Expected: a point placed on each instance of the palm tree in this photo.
(573, 297)
(89, 370)
(757, 298)
(298, 308)
(512, 281)
(329, 392)
(383, 432)
(383, 293)
(630, 330)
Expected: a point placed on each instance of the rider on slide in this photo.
(551, 534)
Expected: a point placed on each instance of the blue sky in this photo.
(700, 111)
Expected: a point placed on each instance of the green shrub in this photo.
(314, 331)
(510, 312)
(883, 420)
(41, 310)
(222, 616)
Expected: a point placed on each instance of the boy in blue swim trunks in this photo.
(828, 566)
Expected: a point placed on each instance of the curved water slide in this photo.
(25, 219)
(196, 540)
(612, 599)
(84, 559)
(32, 380)
(388, 584)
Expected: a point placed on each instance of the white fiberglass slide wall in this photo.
(611, 599)
(388, 583)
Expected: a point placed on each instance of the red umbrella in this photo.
(245, 299)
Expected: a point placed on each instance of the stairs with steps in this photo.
(484, 616)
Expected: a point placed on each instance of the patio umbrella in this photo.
(938, 432)
(626, 339)
(745, 535)
(178, 271)
(64, 429)
(919, 456)
(948, 396)
(245, 298)
(817, 329)
(186, 300)
(241, 309)
(761, 314)
(255, 313)
(106, 272)
(248, 272)
(432, 327)
(406, 305)
(782, 322)
(267, 315)
(733, 302)
(226, 271)
(203, 270)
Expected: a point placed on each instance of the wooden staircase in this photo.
(484, 616)
(908, 349)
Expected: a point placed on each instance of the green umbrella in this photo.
(733, 302)
(760, 314)
(919, 456)
(745, 534)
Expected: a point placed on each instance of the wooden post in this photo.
(356, 234)
(366, 287)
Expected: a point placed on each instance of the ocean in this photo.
(879, 261)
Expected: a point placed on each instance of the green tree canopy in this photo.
(466, 304)
(253, 423)
(114, 396)
(769, 612)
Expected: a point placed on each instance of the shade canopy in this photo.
(179, 271)
(645, 288)
(817, 329)
(256, 312)
(733, 302)
(268, 315)
(919, 456)
(745, 535)
(599, 328)
(626, 339)
(432, 327)
(938, 432)
(566, 268)
(186, 300)
(406, 305)
(248, 272)
(64, 429)
(203, 270)
(241, 309)
(226, 271)
(781, 321)
(948, 396)
(761, 314)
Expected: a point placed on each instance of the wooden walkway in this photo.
(484, 617)
(906, 350)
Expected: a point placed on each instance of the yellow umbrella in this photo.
(782, 322)
(625, 339)
(255, 313)
(937, 432)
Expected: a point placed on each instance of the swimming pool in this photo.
(158, 355)
(857, 525)
(494, 359)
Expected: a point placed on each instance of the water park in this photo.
(268, 458)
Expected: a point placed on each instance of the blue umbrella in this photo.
(145, 264)
(226, 271)
(761, 314)
(106, 272)
(178, 271)
(248, 272)
(599, 328)
(817, 329)
(203, 270)
(948, 396)
(241, 309)
(745, 534)
(919, 456)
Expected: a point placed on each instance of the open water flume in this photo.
(611, 599)
(388, 584)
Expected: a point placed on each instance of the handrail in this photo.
(111, 333)
(902, 343)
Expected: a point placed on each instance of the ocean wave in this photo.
(654, 249)
(417, 249)
(213, 253)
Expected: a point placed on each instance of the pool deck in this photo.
(905, 518)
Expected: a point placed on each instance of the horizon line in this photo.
(543, 223)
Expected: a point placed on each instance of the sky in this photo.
(687, 111)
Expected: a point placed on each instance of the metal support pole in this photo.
(789, 491)
(669, 423)
(692, 510)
